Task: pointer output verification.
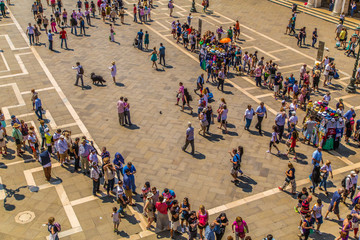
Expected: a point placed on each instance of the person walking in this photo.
(127, 112)
(30, 31)
(280, 120)
(317, 215)
(50, 38)
(290, 178)
(240, 228)
(53, 229)
(79, 74)
(45, 161)
(334, 204)
(162, 54)
(18, 138)
(221, 79)
(261, 112)
(326, 171)
(248, 116)
(112, 33)
(38, 108)
(153, 55)
(274, 140)
(73, 24)
(113, 71)
(63, 37)
(189, 138)
(121, 110)
(95, 176)
(199, 84)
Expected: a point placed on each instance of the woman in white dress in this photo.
(113, 71)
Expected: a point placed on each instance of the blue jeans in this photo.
(31, 38)
(118, 172)
(323, 182)
(313, 42)
(63, 40)
(132, 183)
(248, 122)
(73, 28)
(50, 44)
(140, 45)
(38, 113)
(96, 186)
(135, 19)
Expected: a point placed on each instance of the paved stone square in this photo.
(154, 142)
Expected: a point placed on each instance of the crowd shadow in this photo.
(9, 193)
(214, 137)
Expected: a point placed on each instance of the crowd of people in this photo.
(323, 125)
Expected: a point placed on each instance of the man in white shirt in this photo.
(327, 72)
(348, 185)
(95, 176)
(79, 74)
(293, 119)
(302, 73)
(248, 116)
(30, 32)
(354, 180)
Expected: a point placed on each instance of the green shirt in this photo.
(2, 6)
(230, 33)
(17, 134)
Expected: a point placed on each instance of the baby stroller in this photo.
(136, 43)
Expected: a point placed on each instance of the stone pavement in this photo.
(153, 142)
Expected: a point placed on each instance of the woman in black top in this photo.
(193, 222)
(220, 224)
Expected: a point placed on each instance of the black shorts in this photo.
(178, 34)
(271, 144)
(186, 40)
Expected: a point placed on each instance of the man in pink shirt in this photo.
(120, 107)
(258, 72)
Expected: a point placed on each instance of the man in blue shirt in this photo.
(162, 53)
(317, 157)
(38, 108)
(260, 112)
(209, 232)
(127, 186)
(140, 35)
(50, 38)
(334, 204)
(280, 120)
(189, 138)
(199, 83)
(131, 175)
(348, 114)
(118, 163)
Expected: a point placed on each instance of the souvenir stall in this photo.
(329, 127)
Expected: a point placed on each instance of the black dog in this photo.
(97, 79)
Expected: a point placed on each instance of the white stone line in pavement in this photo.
(292, 65)
(346, 96)
(18, 162)
(6, 24)
(55, 84)
(5, 62)
(178, 7)
(342, 79)
(265, 95)
(38, 90)
(273, 191)
(278, 50)
(180, 14)
(250, 39)
(342, 158)
(74, 222)
(276, 59)
(18, 97)
(162, 25)
(11, 44)
(204, 19)
(250, 88)
(22, 67)
(2, 190)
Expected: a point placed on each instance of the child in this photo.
(292, 140)
(116, 219)
(274, 140)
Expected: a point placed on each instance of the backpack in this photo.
(81, 70)
(57, 227)
(343, 182)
